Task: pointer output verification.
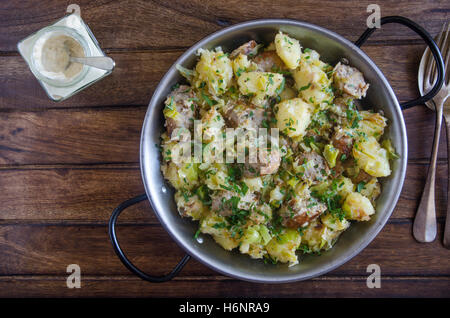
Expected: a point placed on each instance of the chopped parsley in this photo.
(208, 100)
(305, 87)
(360, 186)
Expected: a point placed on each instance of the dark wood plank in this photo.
(52, 286)
(412, 190)
(87, 136)
(47, 250)
(83, 195)
(89, 194)
(137, 74)
(420, 124)
(138, 24)
(112, 136)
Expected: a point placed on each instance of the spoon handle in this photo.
(447, 219)
(101, 62)
(424, 228)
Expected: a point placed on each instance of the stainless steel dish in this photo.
(332, 48)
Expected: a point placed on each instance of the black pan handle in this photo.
(430, 43)
(128, 264)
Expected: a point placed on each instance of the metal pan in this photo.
(332, 48)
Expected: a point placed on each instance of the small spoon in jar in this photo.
(100, 62)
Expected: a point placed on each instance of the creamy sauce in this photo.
(52, 54)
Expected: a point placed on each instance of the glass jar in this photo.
(59, 89)
(36, 65)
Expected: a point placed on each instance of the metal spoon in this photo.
(424, 228)
(101, 62)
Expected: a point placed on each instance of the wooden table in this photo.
(65, 166)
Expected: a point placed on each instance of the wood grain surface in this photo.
(65, 166)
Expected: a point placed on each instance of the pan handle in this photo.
(430, 43)
(128, 264)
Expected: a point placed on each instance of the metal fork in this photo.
(424, 228)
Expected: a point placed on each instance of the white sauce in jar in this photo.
(51, 54)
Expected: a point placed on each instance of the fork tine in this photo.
(428, 76)
(440, 43)
(429, 62)
(427, 68)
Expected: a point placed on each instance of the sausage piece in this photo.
(244, 49)
(299, 212)
(181, 101)
(244, 116)
(349, 80)
(314, 167)
(342, 141)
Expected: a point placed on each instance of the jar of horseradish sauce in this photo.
(51, 52)
(48, 53)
